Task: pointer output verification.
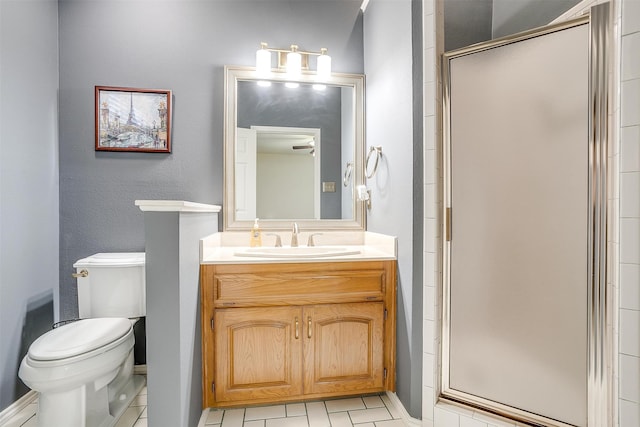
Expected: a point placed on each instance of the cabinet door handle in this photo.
(309, 327)
(297, 328)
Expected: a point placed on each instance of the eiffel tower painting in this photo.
(130, 119)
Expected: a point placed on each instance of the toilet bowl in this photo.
(83, 371)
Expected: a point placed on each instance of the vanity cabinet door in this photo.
(343, 348)
(258, 353)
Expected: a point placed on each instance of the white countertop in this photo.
(223, 248)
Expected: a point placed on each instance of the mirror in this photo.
(293, 154)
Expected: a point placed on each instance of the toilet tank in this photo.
(114, 285)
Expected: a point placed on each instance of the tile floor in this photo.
(365, 411)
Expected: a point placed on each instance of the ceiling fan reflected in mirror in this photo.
(310, 145)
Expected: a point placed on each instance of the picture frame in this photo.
(132, 119)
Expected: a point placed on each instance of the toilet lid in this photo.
(112, 259)
(78, 337)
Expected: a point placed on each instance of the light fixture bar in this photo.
(284, 55)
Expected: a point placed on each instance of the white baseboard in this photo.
(403, 412)
(17, 406)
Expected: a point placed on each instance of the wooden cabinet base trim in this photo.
(293, 399)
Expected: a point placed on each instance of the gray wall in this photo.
(467, 22)
(511, 16)
(177, 45)
(28, 181)
(389, 58)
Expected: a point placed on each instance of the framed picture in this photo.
(130, 119)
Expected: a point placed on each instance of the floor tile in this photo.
(367, 415)
(341, 405)
(288, 422)
(390, 423)
(139, 400)
(296, 409)
(130, 416)
(317, 415)
(142, 422)
(31, 423)
(214, 416)
(366, 411)
(373, 402)
(233, 418)
(340, 419)
(265, 412)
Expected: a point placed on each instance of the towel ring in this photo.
(378, 152)
(346, 179)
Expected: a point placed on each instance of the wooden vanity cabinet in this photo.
(279, 332)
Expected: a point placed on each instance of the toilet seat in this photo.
(79, 340)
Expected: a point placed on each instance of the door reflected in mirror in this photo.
(288, 149)
(286, 182)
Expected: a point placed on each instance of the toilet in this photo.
(83, 371)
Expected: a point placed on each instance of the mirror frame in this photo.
(233, 74)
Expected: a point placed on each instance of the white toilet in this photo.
(83, 370)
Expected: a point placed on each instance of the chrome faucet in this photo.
(294, 235)
(278, 243)
(311, 242)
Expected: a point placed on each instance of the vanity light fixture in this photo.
(324, 65)
(293, 61)
(263, 61)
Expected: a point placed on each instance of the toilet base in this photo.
(93, 409)
(127, 394)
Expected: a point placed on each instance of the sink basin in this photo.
(297, 252)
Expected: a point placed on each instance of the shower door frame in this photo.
(599, 317)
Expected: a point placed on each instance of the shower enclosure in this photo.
(525, 223)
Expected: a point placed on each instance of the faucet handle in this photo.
(310, 242)
(278, 239)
